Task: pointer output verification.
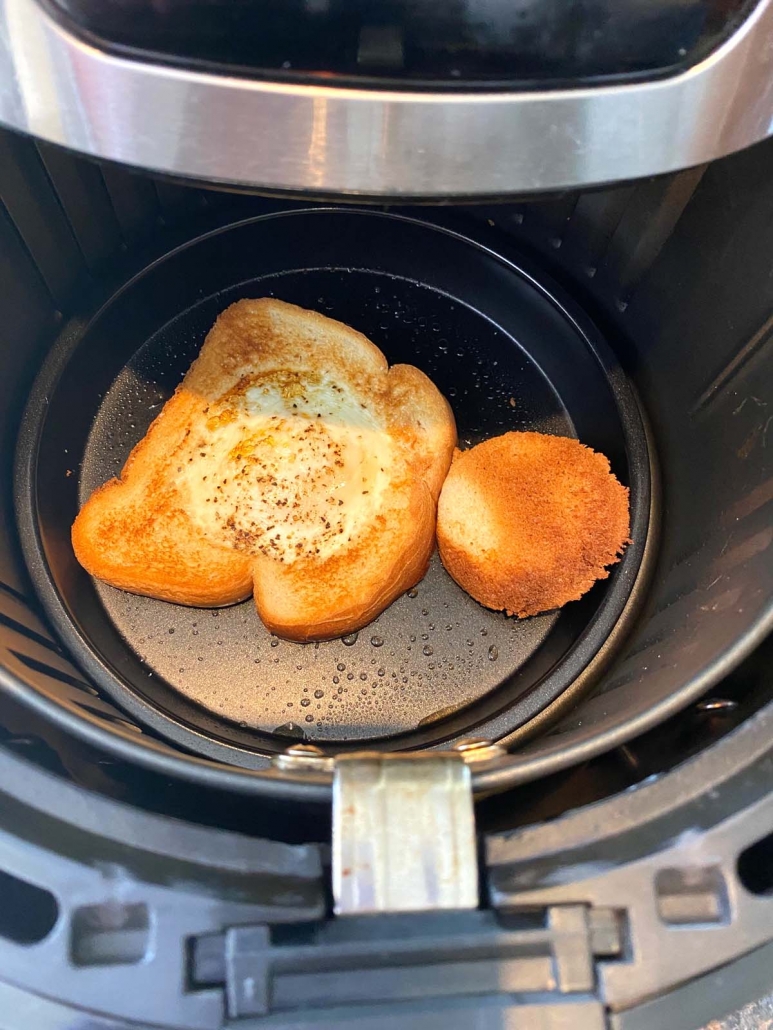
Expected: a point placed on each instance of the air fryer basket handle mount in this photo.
(403, 834)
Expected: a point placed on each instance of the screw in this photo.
(476, 750)
(304, 751)
(721, 705)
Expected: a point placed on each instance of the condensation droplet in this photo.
(427, 650)
(336, 679)
(413, 593)
(305, 703)
(309, 718)
(319, 693)
(340, 666)
(493, 653)
(377, 641)
(275, 643)
(349, 639)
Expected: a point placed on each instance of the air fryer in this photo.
(204, 825)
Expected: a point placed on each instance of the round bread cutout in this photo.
(528, 522)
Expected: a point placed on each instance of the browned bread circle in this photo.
(528, 522)
(292, 463)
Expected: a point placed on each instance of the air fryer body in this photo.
(624, 825)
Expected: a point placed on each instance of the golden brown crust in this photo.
(132, 533)
(550, 518)
(136, 533)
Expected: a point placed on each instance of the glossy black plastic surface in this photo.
(539, 42)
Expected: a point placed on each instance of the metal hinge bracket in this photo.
(403, 834)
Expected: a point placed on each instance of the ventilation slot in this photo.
(28, 914)
(691, 895)
(111, 934)
(755, 866)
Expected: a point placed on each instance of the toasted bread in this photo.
(291, 462)
(528, 522)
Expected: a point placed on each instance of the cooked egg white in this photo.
(291, 465)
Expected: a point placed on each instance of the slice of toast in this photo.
(291, 462)
(528, 522)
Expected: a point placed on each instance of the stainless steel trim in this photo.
(280, 136)
(403, 834)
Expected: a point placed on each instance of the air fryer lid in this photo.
(436, 666)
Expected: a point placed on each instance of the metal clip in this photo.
(403, 834)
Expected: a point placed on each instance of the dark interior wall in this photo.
(695, 333)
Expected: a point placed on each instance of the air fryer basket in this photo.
(657, 263)
(435, 667)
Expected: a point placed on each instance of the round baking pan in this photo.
(435, 667)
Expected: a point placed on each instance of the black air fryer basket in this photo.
(511, 350)
(436, 667)
(157, 748)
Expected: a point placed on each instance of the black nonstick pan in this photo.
(507, 351)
